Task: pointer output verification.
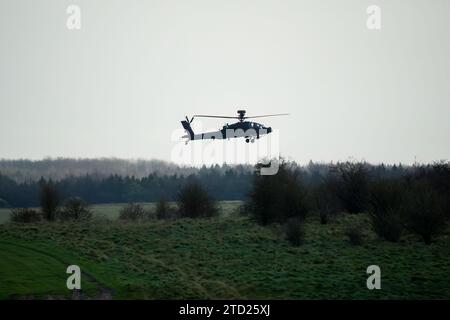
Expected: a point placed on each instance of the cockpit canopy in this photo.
(244, 125)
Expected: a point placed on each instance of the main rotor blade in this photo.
(268, 115)
(206, 116)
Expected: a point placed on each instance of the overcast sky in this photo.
(120, 85)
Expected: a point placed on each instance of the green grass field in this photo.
(224, 257)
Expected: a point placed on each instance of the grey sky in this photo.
(120, 85)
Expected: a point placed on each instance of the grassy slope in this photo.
(35, 271)
(223, 257)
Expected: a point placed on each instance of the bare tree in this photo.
(75, 208)
(50, 200)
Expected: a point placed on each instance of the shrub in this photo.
(386, 209)
(24, 215)
(276, 198)
(294, 230)
(50, 200)
(354, 235)
(75, 209)
(325, 201)
(132, 212)
(164, 210)
(242, 210)
(441, 183)
(162, 207)
(388, 225)
(351, 185)
(195, 202)
(425, 212)
(437, 177)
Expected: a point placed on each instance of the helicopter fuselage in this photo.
(242, 129)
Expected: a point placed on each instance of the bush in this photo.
(354, 235)
(386, 199)
(75, 209)
(50, 200)
(276, 198)
(437, 177)
(132, 212)
(441, 183)
(325, 201)
(164, 210)
(351, 185)
(242, 210)
(294, 230)
(25, 215)
(388, 225)
(195, 202)
(425, 212)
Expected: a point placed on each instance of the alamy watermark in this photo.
(374, 280)
(374, 17)
(74, 280)
(73, 21)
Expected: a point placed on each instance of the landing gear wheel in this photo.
(247, 140)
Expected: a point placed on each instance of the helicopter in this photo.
(246, 129)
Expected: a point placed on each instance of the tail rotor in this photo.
(187, 119)
(187, 127)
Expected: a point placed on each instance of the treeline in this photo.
(233, 184)
(108, 181)
(223, 182)
(24, 170)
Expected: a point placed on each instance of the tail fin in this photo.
(188, 128)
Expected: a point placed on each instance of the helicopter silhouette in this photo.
(245, 129)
